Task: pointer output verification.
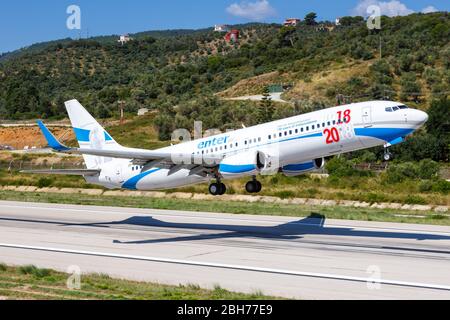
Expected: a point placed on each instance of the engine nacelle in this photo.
(247, 163)
(293, 170)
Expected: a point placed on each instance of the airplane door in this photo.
(118, 174)
(367, 117)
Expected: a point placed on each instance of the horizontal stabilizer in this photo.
(70, 172)
(51, 140)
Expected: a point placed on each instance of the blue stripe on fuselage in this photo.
(228, 168)
(131, 183)
(386, 134)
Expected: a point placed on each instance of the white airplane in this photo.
(291, 146)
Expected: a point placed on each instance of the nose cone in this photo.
(419, 118)
(423, 117)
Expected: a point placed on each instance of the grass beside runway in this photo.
(337, 212)
(30, 282)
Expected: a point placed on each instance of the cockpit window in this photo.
(395, 108)
(389, 109)
(403, 107)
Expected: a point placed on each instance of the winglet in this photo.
(51, 140)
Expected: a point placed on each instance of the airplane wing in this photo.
(73, 172)
(136, 155)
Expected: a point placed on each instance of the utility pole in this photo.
(381, 54)
(121, 108)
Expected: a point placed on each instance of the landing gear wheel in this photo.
(387, 155)
(258, 186)
(223, 189)
(253, 186)
(217, 189)
(214, 189)
(250, 187)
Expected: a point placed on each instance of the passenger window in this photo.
(296, 130)
(285, 133)
(313, 127)
(307, 128)
(259, 139)
(270, 137)
(301, 129)
(280, 134)
(329, 123)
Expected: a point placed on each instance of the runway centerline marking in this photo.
(230, 266)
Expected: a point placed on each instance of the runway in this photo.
(306, 258)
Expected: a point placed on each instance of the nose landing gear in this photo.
(253, 186)
(387, 156)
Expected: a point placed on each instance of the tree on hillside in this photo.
(439, 122)
(287, 35)
(266, 108)
(348, 21)
(410, 87)
(310, 19)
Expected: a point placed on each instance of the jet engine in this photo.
(293, 170)
(247, 163)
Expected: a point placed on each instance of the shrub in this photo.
(427, 169)
(340, 167)
(3, 267)
(425, 186)
(285, 194)
(44, 182)
(34, 271)
(399, 172)
(413, 199)
(375, 197)
(441, 186)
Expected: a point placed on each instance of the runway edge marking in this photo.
(230, 266)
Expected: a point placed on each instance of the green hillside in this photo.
(182, 75)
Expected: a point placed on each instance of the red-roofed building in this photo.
(291, 22)
(232, 36)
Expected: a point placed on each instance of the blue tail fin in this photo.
(51, 140)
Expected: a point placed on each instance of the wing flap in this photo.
(71, 172)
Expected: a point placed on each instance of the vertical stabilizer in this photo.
(90, 134)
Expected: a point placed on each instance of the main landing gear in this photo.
(253, 186)
(217, 189)
(387, 156)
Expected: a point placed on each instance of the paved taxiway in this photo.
(281, 256)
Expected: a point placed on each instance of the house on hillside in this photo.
(291, 22)
(142, 112)
(124, 39)
(232, 36)
(338, 22)
(221, 28)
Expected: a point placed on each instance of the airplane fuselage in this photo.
(289, 145)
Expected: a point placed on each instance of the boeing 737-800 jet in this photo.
(291, 146)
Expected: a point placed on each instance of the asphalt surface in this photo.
(307, 258)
